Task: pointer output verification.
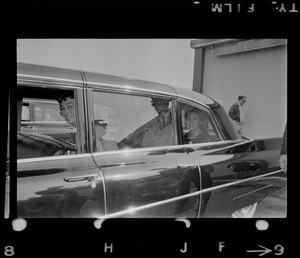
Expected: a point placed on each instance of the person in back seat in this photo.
(197, 123)
(67, 111)
(101, 143)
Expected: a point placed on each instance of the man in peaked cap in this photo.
(161, 133)
(101, 143)
(160, 104)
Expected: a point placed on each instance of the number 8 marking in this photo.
(9, 250)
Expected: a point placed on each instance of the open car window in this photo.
(42, 130)
(197, 124)
(129, 121)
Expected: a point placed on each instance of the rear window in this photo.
(47, 112)
(42, 111)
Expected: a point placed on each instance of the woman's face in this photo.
(192, 121)
(67, 110)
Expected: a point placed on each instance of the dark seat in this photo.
(33, 145)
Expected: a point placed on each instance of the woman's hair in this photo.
(64, 94)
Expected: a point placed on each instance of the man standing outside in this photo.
(237, 115)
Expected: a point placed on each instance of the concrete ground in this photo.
(275, 206)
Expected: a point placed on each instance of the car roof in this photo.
(27, 72)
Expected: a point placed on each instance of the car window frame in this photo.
(90, 115)
(206, 109)
(80, 117)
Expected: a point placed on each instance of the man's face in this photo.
(100, 131)
(165, 118)
(67, 110)
(161, 107)
(242, 101)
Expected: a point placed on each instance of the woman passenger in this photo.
(197, 123)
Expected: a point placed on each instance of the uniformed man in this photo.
(161, 132)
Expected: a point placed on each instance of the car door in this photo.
(55, 185)
(235, 168)
(148, 178)
(58, 187)
(242, 175)
(141, 181)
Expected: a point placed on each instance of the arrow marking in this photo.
(263, 252)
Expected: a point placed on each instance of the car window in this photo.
(25, 112)
(128, 121)
(47, 111)
(50, 134)
(196, 124)
(42, 110)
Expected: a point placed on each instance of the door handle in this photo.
(30, 127)
(80, 178)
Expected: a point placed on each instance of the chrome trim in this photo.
(45, 79)
(113, 88)
(147, 206)
(188, 99)
(30, 100)
(238, 142)
(113, 82)
(46, 122)
(200, 176)
(90, 136)
(41, 159)
(86, 113)
(73, 156)
(103, 185)
(256, 190)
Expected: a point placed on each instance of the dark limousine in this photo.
(134, 154)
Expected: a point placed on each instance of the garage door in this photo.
(261, 75)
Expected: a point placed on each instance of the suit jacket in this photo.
(155, 137)
(234, 112)
(284, 142)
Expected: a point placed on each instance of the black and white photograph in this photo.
(121, 141)
(150, 128)
(203, 140)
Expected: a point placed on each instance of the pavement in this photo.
(274, 206)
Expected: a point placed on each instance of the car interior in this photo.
(32, 144)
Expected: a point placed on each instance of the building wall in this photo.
(261, 75)
(167, 61)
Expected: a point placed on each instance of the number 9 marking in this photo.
(279, 249)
